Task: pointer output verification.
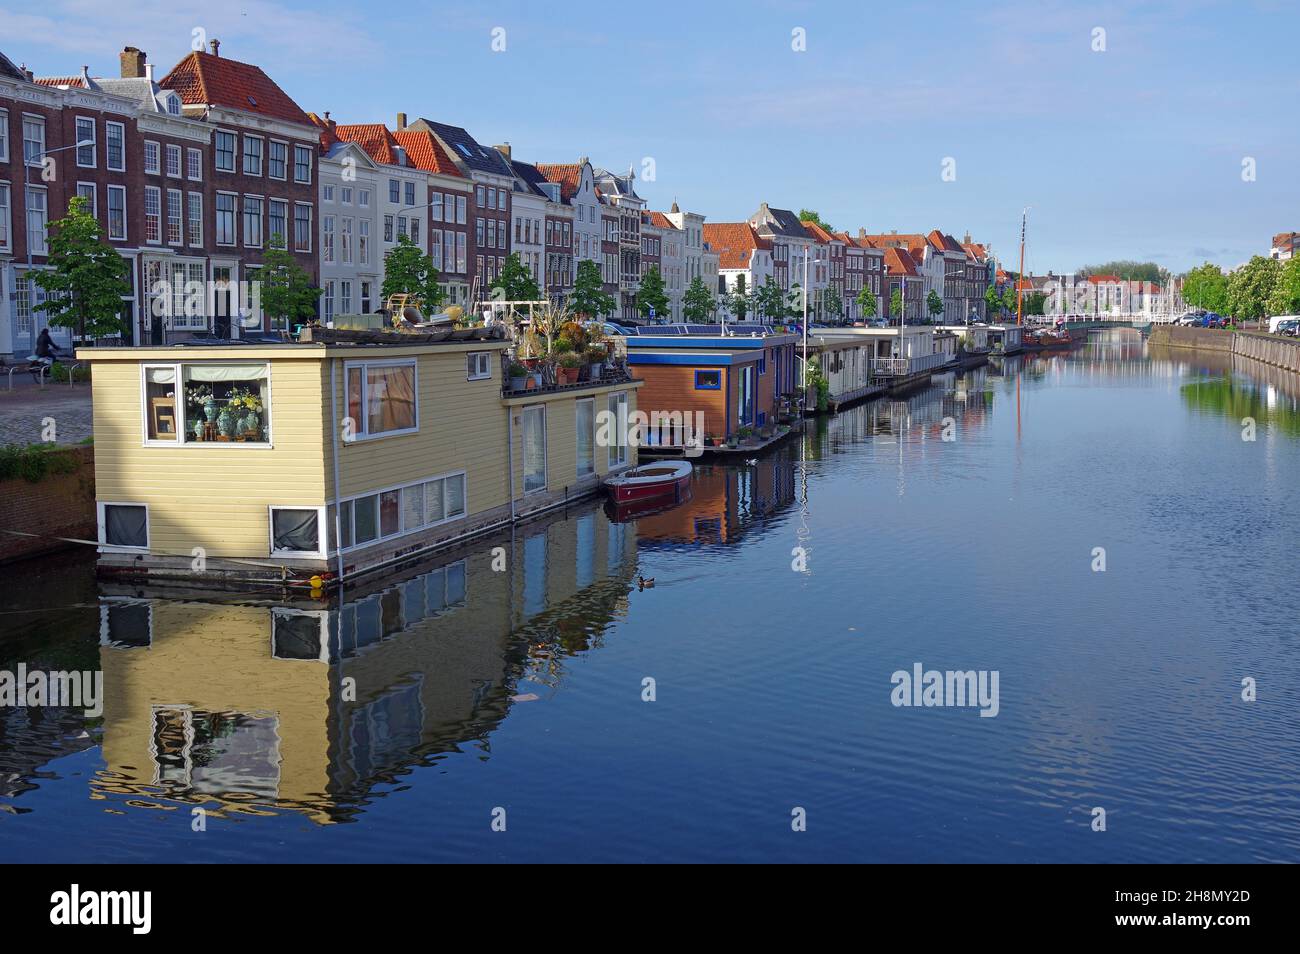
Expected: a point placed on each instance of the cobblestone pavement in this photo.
(24, 409)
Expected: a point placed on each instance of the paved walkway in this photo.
(24, 409)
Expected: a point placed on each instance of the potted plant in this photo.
(732, 441)
(595, 358)
(567, 367)
(518, 375)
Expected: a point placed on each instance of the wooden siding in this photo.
(670, 388)
(212, 495)
(562, 440)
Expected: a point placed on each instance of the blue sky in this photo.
(1133, 152)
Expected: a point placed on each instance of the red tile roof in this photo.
(568, 175)
(374, 138)
(899, 262)
(659, 220)
(425, 152)
(735, 242)
(74, 81)
(203, 79)
(943, 242)
(817, 233)
(976, 250)
(1098, 279)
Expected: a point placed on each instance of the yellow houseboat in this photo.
(222, 462)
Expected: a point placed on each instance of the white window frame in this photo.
(194, 160)
(94, 139)
(578, 462)
(6, 210)
(104, 545)
(4, 135)
(483, 358)
(261, 221)
(523, 461)
(245, 155)
(195, 203)
(94, 196)
(155, 190)
(322, 532)
(379, 537)
(234, 150)
(216, 211)
(169, 150)
(108, 214)
(307, 149)
(288, 154)
(360, 429)
(183, 422)
(154, 168)
(310, 216)
(611, 462)
(181, 221)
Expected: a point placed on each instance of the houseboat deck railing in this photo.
(897, 367)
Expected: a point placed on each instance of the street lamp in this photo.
(27, 163)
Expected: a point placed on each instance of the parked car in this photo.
(1289, 327)
(607, 328)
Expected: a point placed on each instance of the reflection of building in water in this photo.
(727, 502)
(241, 708)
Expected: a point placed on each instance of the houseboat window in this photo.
(618, 411)
(298, 635)
(480, 365)
(381, 398)
(124, 525)
(296, 530)
(390, 513)
(454, 500)
(708, 380)
(223, 403)
(162, 422)
(585, 425)
(125, 624)
(534, 442)
(366, 519)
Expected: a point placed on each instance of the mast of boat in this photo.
(1020, 288)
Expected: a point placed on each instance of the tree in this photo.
(833, 305)
(934, 304)
(86, 279)
(1206, 287)
(1009, 301)
(1132, 271)
(992, 301)
(287, 293)
(697, 303)
(589, 298)
(1251, 286)
(1035, 303)
(808, 215)
(515, 281)
(867, 303)
(770, 301)
(407, 271)
(896, 305)
(739, 301)
(651, 297)
(1285, 299)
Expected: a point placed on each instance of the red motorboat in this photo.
(667, 478)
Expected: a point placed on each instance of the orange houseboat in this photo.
(735, 377)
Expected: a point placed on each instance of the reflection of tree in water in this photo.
(1235, 399)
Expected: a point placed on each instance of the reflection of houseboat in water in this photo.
(309, 705)
(726, 502)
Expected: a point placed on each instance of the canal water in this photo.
(1089, 527)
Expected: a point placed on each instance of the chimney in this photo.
(504, 149)
(85, 76)
(401, 121)
(132, 61)
(148, 72)
(862, 233)
(216, 47)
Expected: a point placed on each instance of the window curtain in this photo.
(125, 526)
(391, 398)
(296, 530)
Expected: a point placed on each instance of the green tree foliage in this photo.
(1285, 299)
(697, 303)
(515, 282)
(86, 279)
(1206, 287)
(934, 304)
(1133, 271)
(288, 296)
(770, 300)
(1035, 303)
(992, 301)
(740, 300)
(652, 295)
(896, 304)
(808, 215)
(867, 303)
(1251, 286)
(407, 271)
(589, 298)
(833, 305)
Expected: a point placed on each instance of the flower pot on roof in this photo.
(567, 367)
(518, 376)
